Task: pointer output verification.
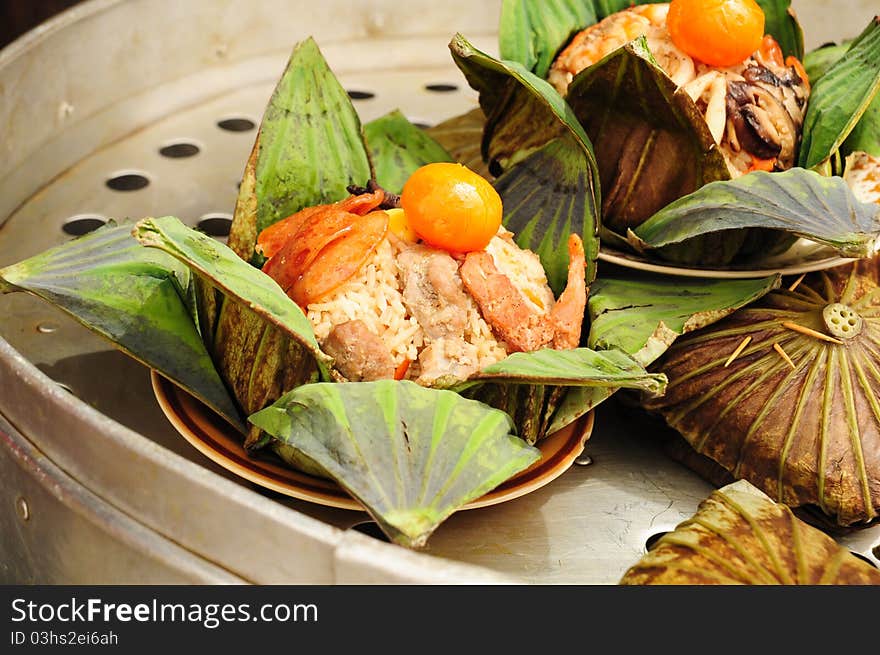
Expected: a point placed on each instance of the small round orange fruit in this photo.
(451, 207)
(717, 32)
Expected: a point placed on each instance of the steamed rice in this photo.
(375, 296)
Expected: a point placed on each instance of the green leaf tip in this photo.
(410, 455)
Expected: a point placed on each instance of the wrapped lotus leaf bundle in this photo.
(677, 97)
(785, 393)
(750, 96)
(740, 536)
(332, 301)
(409, 287)
(435, 291)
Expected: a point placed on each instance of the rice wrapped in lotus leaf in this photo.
(388, 303)
(785, 393)
(740, 536)
(747, 114)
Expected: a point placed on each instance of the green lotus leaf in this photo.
(309, 120)
(740, 536)
(462, 137)
(840, 97)
(547, 197)
(652, 144)
(643, 316)
(575, 367)
(523, 112)
(546, 390)
(263, 344)
(865, 136)
(796, 201)
(548, 178)
(397, 148)
(411, 456)
(532, 406)
(141, 300)
(818, 61)
(577, 402)
(533, 32)
(781, 23)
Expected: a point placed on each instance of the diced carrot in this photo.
(793, 62)
(400, 371)
(762, 164)
(770, 50)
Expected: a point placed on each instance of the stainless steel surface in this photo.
(96, 94)
(53, 530)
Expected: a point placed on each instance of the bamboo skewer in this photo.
(797, 282)
(783, 354)
(742, 346)
(811, 333)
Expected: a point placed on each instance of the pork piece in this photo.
(505, 309)
(445, 357)
(433, 292)
(358, 353)
(503, 305)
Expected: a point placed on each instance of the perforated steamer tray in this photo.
(124, 109)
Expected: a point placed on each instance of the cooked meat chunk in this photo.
(433, 292)
(503, 305)
(358, 353)
(452, 357)
(505, 309)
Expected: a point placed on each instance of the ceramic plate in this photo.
(803, 257)
(222, 443)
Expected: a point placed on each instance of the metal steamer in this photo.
(129, 108)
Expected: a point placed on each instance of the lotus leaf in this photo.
(397, 148)
(462, 137)
(841, 96)
(643, 316)
(740, 536)
(142, 300)
(796, 411)
(797, 201)
(410, 455)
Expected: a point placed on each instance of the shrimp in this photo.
(606, 36)
(506, 310)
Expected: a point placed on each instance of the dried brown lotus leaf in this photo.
(805, 433)
(462, 136)
(740, 536)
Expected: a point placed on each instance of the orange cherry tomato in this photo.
(717, 32)
(451, 207)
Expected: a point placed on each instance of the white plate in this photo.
(804, 256)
